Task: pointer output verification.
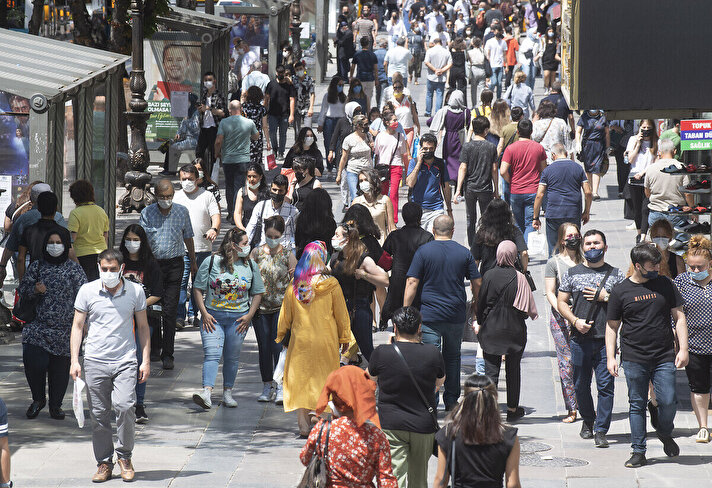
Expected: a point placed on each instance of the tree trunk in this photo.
(189, 4)
(3, 15)
(36, 19)
(120, 37)
(82, 23)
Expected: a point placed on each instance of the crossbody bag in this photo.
(384, 170)
(596, 303)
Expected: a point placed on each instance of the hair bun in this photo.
(699, 241)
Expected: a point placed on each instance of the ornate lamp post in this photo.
(138, 182)
(296, 28)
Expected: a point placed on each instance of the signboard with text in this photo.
(696, 135)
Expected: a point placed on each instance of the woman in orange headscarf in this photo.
(316, 317)
(357, 449)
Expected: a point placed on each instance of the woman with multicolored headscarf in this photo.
(316, 317)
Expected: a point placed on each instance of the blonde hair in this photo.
(520, 77)
(699, 246)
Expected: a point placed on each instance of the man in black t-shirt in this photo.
(643, 304)
(280, 100)
(478, 172)
(588, 347)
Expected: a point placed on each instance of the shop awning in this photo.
(32, 65)
(206, 27)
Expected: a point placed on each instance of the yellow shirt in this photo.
(90, 222)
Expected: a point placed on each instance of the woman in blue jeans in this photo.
(222, 288)
(276, 264)
(359, 276)
(140, 266)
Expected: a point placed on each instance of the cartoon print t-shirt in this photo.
(228, 290)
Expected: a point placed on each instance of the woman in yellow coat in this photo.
(317, 319)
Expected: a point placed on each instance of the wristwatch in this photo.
(212, 228)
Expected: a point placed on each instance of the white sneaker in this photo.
(228, 400)
(266, 393)
(203, 399)
(630, 226)
(279, 398)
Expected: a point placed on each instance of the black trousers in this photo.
(41, 366)
(472, 199)
(342, 67)
(459, 82)
(508, 72)
(639, 204)
(162, 342)
(206, 148)
(622, 169)
(90, 266)
(513, 372)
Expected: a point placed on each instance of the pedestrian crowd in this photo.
(316, 289)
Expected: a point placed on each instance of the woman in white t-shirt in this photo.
(357, 154)
(404, 108)
(379, 206)
(392, 151)
(641, 152)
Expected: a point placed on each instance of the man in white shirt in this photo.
(396, 60)
(204, 213)
(274, 206)
(431, 20)
(463, 7)
(249, 56)
(438, 61)
(495, 50)
(254, 78)
(395, 29)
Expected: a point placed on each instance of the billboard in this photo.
(14, 145)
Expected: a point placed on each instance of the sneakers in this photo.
(669, 445)
(630, 226)
(203, 399)
(703, 436)
(515, 415)
(653, 409)
(279, 397)
(168, 363)
(141, 417)
(266, 395)
(586, 430)
(103, 473)
(127, 470)
(599, 439)
(227, 399)
(637, 460)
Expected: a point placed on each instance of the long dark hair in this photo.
(363, 220)
(226, 251)
(316, 215)
(476, 419)
(353, 250)
(332, 94)
(262, 189)
(496, 224)
(299, 142)
(144, 253)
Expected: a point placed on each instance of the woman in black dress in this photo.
(504, 303)
(256, 112)
(457, 76)
(315, 222)
(486, 451)
(550, 59)
(496, 225)
(255, 189)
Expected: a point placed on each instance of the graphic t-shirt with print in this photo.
(229, 290)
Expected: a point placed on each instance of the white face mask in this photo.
(110, 279)
(188, 186)
(337, 244)
(165, 203)
(201, 175)
(308, 141)
(243, 251)
(285, 53)
(364, 186)
(254, 186)
(208, 84)
(661, 242)
(55, 250)
(132, 246)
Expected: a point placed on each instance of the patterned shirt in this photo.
(305, 88)
(275, 275)
(166, 233)
(698, 311)
(265, 209)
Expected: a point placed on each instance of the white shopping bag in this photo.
(78, 402)
(279, 369)
(536, 242)
(215, 174)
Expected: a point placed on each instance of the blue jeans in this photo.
(675, 220)
(637, 377)
(224, 342)
(523, 210)
(504, 191)
(361, 325)
(439, 88)
(352, 182)
(588, 356)
(448, 338)
(552, 230)
(141, 387)
(192, 309)
(496, 81)
(281, 123)
(530, 71)
(265, 325)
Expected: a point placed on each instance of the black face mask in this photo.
(646, 132)
(428, 154)
(572, 243)
(276, 197)
(299, 176)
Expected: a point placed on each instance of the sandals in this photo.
(571, 418)
(703, 436)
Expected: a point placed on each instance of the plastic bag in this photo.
(536, 244)
(279, 369)
(78, 402)
(270, 160)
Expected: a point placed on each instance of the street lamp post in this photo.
(138, 181)
(295, 29)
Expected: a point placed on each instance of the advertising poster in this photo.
(14, 143)
(254, 29)
(172, 65)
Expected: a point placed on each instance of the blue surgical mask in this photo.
(357, 89)
(272, 243)
(593, 255)
(699, 275)
(339, 88)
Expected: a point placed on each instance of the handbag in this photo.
(488, 68)
(257, 236)
(25, 309)
(596, 303)
(462, 133)
(384, 170)
(316, 474)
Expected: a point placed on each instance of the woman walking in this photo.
(568, 254)
(452, 119)
(89, 226)
(550, 59)
(642, 151)
(592, 142)
(520, 95)
(255, 189)
(332, 109)
(380, 206)
(254, 110)
(478, 74)
(357, 155)
(457, 74)
(549, 129)
(504, 302)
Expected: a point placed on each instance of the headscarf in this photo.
(524, 299)
(352, 385)
(349, 109)
(531, 34)
(455, 104)
(308, 271)
(66, 240)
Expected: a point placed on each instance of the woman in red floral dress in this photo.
(358, 450)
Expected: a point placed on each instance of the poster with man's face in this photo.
(172, 65)
(14, 142)
(253, 29)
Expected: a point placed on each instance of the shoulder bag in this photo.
(316, 474)
(384, 170)
(547, 130)
(596, 304)
(527, 274)
(25, 309)
(257, 236)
